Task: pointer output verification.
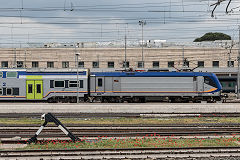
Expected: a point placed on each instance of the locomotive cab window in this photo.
(99, 82)
(209, 81)
(59, 84)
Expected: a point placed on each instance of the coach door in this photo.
(100, 84)
(34, 89)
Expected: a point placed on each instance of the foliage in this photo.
(212, 37)
(100, 121)
(146, 141)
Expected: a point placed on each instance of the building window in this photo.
(215, 64)
(34, 64)
(110, 64)
(95, 64)
(140, 64)
(155, 64)
(201, 64)
(65, 64)
(81, 64)
(186, 63)
(59, 84)
(127, 64)
(4, 64)
(50, 64)
(19, 64)
(171, 64)
(230, 64)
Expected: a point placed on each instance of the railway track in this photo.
(119, 115)
(126, 153)
(120, 131)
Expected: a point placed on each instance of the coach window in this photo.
(0, 91)
(9, 91)
(30, 88)
(59, 84)
(15, 91)
(1, 74)
(99, 82)
(11, 74)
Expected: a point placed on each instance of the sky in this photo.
(63, 21)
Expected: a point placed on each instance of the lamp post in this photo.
(77, 54)
(142, 23)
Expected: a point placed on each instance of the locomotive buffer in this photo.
(50, 118)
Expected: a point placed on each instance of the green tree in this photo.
(212, 37)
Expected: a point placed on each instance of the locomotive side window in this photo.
(72, 83)
(30, 88)
(59, 84)
(9, 91)
(11, 74)
(209, 81)
(99, 82)
(81, 83)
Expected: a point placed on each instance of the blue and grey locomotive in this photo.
(63, 85)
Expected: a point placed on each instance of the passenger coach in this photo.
(43, 84)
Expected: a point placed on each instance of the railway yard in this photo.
(122, 131)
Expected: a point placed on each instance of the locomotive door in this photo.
(34, 89)
(100, 84)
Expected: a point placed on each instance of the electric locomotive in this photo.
(66, 85)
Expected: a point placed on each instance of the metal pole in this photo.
(142, 45)
(238, 58)
(183, 65)
(77, 78)
(125, 60)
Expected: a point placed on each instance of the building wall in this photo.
(105, 55)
